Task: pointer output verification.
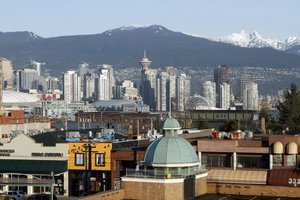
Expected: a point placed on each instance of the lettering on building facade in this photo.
(36, 154)
(6, 152)
(294, 181)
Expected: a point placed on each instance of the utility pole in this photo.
(88, 166)
(52, 182)
(86, 183)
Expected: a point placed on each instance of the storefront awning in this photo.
(237, 176)
(33, 166)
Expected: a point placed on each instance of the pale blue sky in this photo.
(47, 18)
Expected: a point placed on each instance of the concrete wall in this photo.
(257, 190)
(200, 186)
(109, 195)
(151, 191)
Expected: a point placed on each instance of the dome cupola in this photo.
(171, 150)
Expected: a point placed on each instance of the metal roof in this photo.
(170, 150)
(49, 138)
(171, 124)
(10, 97)
(113, 103)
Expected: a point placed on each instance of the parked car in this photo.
(42, 196)
(15, 195)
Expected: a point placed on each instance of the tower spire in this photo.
(170, 104)
(145, 62)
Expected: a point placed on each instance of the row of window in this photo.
(291, 160)
(99, 159)
(259, 161)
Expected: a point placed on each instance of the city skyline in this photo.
(203, 18)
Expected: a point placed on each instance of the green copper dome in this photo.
(173, 150)
(171, 124)
(170, 150)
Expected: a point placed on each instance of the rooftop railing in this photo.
(165, 173)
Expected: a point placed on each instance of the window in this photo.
(253, 161)
(100, 159)
(217, 160)
(79, 159)
(291, 160)
(277, 160)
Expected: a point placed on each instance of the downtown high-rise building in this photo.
(104, 82)
(183, 91)
(221, 76)
(241, 81)
(130, 92)
(224, 96)
(148, 83)
(83, 69)
(89, 83)
(53, 83)
(166, 88)
(250, 96)
(26, 79)
(97, 84)
(38, 66)
(7, 70)
(209, 92)
(72, 87)
(125, 91)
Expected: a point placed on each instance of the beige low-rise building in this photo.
(34, 164)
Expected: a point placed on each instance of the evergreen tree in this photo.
(203, 124)
(229, 126)
(270, 121)
(289, 110)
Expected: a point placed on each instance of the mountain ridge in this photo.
(123, 47)
(256, 40)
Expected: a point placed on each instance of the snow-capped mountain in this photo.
(32, 36)
(18, 37)
(154, 28)
(255, 40)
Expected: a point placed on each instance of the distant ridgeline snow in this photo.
(123, 47)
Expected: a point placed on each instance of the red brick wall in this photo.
(15, 116)
(257, 190)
